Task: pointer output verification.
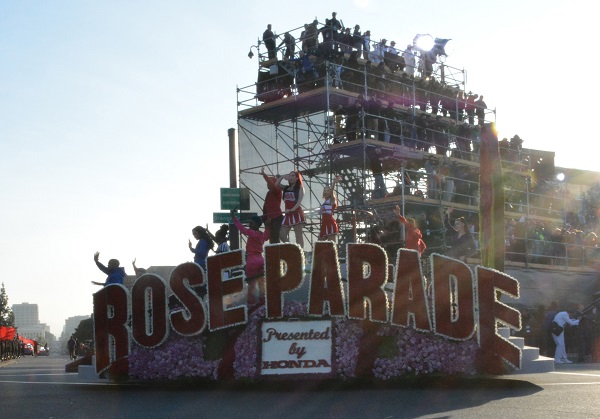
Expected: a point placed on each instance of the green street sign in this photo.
(225, 217)
(235, 198)
(222, 218)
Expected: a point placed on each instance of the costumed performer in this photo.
(413, 239)
(272, 214)
(294, 216)
(255, 262)
(463, 245)
(329, 227)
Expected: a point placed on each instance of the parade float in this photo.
(363, 307)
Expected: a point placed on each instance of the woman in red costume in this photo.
(413, 239)
(255, 263)
(329, 227)
(293, 215)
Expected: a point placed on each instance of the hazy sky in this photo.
(114, 115)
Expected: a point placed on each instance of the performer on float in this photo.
(329, 227)
(413, 239)
(293, 216)
(255, 263)
(463, 245)
(272, 215)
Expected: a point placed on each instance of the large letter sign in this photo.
(453, 298)
(111, 333)
(492, 311)
(149, 310)
(343, 327)
(282, 275)
(409, 293)
(367, 275)
(190, 318)
(325, 282)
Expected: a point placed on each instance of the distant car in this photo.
(28, 349)
(43, 351)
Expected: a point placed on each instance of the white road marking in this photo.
(575, 373)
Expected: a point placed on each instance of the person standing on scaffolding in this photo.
(290, 46)
(269, 40)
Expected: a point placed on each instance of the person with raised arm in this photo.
(204, 245)
(272, 214)
(255, 262)
(116, 274)
(463, 245)
(413, 239)
(329, 227)
(294, 216)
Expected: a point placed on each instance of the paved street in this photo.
(39, 387)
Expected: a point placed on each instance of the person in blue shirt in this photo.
(205, 243)
(115, 273)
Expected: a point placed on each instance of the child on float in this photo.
(413, 239)
(293, 215)
(329, 227)
(221, 238)
(255, 263)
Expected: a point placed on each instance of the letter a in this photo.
(325, 285)
(409, 292)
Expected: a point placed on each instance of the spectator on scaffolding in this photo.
(346, 41)
(310, 40)
(366, 44)
(357, 40)
(462, 243)
(391, 57)
(410, 60)
(269, 40)
(327, 44)
(470, 107)
(516, 144)
(290, 46)
(336, 25)
(427, 59)
(379, 51)
(480, 108)
(353, 119)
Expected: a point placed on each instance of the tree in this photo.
(85, 330)
(590, 205)
(7, 317)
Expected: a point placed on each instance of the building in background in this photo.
(27, 322)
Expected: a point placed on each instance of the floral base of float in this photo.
(445, 324)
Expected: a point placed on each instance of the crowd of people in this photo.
(332, 39)
(391, 76)
(536, 242)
